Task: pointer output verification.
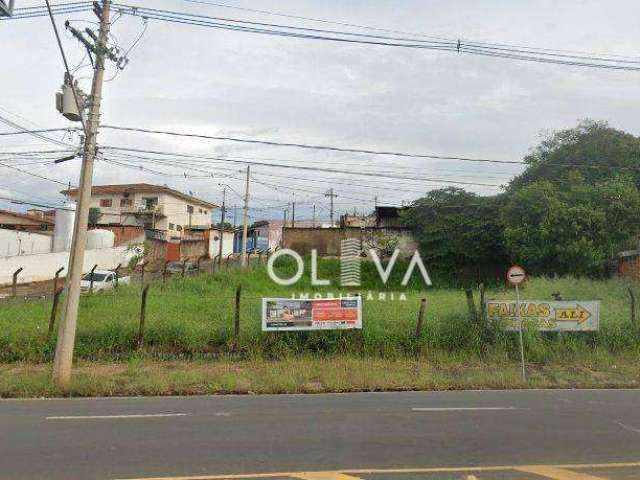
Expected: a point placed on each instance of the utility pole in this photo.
(221, 229)
(331, 196)
(284, 223)
(235, 215)
(314, 215)
(245, 219)
(67, 331)
(293, 215)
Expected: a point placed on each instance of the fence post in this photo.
(213, 265)
(483, 305)
(117, 274)
(91, 278)
(143, 267)
(184, 266)
(54, 310)
(236, 321)
(164, 272)
(14, 285)
(55, 280)
(471, 305)
(634, 324)
(228, 259)
(143, 309)
(423, 304)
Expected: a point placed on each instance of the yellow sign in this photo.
(546, 315)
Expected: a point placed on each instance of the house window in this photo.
(106, 202)
(200, 210)
(125, 202)
(172, 226)
(189, 209)
(205, 212)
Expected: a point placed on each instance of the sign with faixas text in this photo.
(287, 314)
(555, 316)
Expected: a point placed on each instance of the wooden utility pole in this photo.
(67, 330)
(293, 215)
(245, 226)
(221, 229)
(314, 215)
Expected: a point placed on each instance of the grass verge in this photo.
(145, 376)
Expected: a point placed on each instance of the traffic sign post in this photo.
(516, 275)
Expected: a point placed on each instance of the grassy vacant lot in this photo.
(190, 320)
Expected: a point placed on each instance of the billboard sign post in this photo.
(288, 314)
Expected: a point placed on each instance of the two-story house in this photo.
(150, 206)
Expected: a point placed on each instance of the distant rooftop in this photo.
(140, 188)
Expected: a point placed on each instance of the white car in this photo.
(102, 280)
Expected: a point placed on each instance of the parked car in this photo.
(176, 268)
(102, 280)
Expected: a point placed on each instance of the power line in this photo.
(506, 51)
(316, 169)
(395, 31)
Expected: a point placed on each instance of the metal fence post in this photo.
(143, 309)
(164, 272)
(91, 278)
(55, 280)
(14, 285)
(423, 304)
(143, 267)
(236, 321)
(184, 266)
(117, 274)
(634, 324)
(54, 310)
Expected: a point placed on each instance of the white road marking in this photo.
(458, 409)
(106, 417)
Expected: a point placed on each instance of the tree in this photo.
(383, 243)
(94, 216)
(456, 228)
(592, 148)
(224, 226)
(571, 227)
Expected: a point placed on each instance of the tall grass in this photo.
(193, 318)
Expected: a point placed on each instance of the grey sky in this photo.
(208, 81)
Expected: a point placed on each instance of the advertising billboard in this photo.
(286, 314)
(547, 316)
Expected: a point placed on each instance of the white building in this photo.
(150, 206)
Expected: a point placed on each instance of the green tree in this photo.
(573, 226)
(593, 148)
(94, 216)
(456, 228)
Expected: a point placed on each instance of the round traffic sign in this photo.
(516, 275)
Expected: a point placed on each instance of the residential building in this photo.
(149, 206)
(21, 221)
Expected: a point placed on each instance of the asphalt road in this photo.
(484, 435)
